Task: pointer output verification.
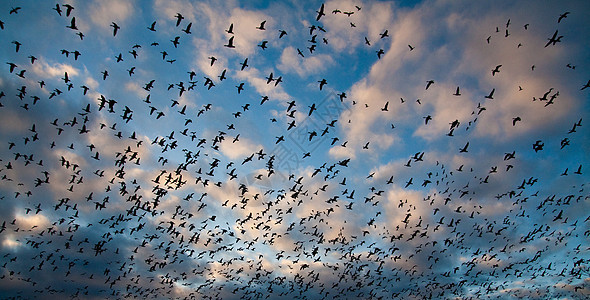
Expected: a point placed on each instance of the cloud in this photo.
(291, 61)
(47, 69)
(372, 20)
(240, 149)
(103, 13)
(253, 76)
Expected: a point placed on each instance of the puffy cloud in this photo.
(103, 13)
(291, 61)
(240, 149)
(47, 69)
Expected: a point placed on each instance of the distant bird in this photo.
(179, 18)
(320, 12)
(385, 107)
(457, 92)
(496, 70)
(69, 9)
(12, 66)
(14, 10)
(491, 95)
(230, 43)
(72, 24)
(464, 149)
(263, 45)
(152, 27)
(563, 16)
(240, 87)
(411, 48)
(409, 182)
(261, 26)
(115, 28)
(312, 108)
(379, 53)
(538, 145)
(57, 9)
(17, 45)
(514, 120)
(187, 29)
(553, 39)
(322, 83)
(230, 30)
(244, 64)
(176, 41)
(385, 34)
(429, 83)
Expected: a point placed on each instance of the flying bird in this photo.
(152, 27)
(230, 43)
(115, 28)
(179, 19)
(496, 70)
(553, 39)
(320, 12)
(322, 83)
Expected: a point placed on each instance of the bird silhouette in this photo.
(115, 28)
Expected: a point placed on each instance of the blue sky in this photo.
(410, 149)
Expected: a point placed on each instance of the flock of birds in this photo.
(195, 224)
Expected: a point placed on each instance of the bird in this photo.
(152, 27)
(320, 13)
(587, 85)
(72, 24)
(240, 87)
(14, 10)
(261, 26)
(179, 19)
(230, 30)
(176, 41)
(464, 149)
(115, 28)
(562, 16)
(457, 92)
(553, 39)
(491, 94)
(187, 29)
(230, 43)
(312, 108)
(263, 45)
(496, 70)
(282, 33)
(17, 45)
(322, 83)
(379, 53)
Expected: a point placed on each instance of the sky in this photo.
(279, 149)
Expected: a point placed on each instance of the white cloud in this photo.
(46, 69)
(291, 61)
(103, 13)
(253, 76)
(240, 149)
(372, 20)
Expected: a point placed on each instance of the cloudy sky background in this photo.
(183, 190)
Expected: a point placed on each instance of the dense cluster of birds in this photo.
(126, 213)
